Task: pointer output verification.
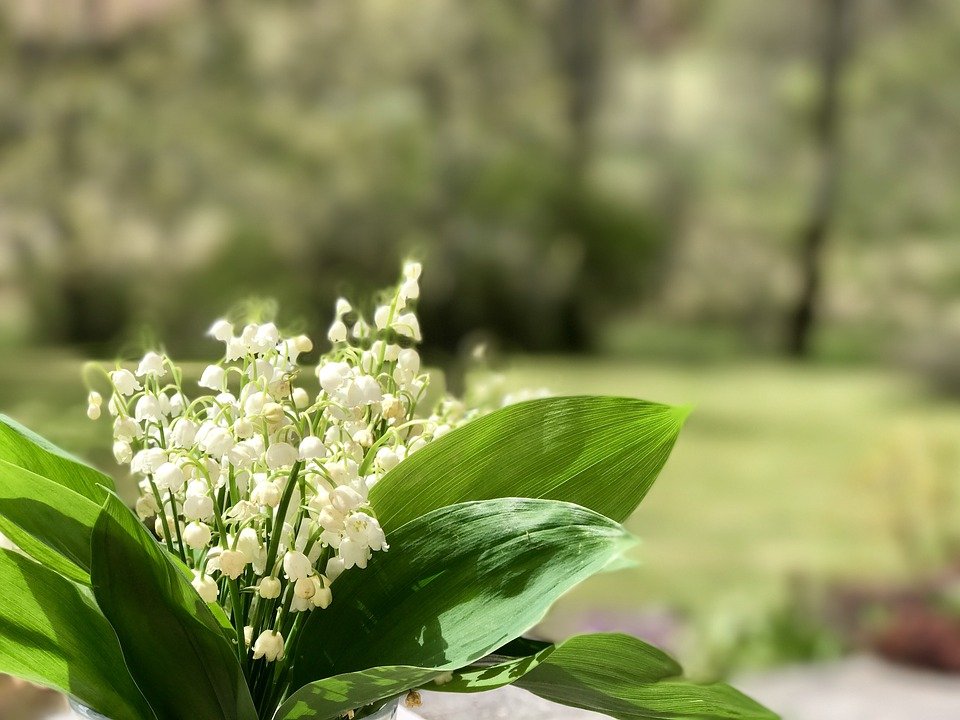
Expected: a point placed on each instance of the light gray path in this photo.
(858, 688)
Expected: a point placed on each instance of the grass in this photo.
(768, 478)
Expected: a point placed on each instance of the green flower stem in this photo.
(163, 516)
(176, 526)
(281, 514)
(238, 621)
(281, 674)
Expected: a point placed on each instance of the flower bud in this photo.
(248, 635)
(302, 344)
(334, 568)
(269, 588)
(93, 411)
(304, 588)
(412, 270)
(387, 459)
(301, 399)
(268, 646)
(206, 588)
(322, 595)
(197, 535)
(273, 413)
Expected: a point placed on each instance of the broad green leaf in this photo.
(455, 584)
(614, 674)
(54, 635)
(647, 664)
(664, 700)
(599, 452)
(170, 640)
(333, 696)
(22, 447)
(48, 521)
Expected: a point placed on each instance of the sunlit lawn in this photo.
(767, 479)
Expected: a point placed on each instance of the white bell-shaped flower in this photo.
(169, 477)
(232, 563)
(408, 326)
(198, 507)
(151, 365)
(381, 317)
(147, 506)
(212, 377)
(248, 542)
(147, 408)
(296, 565)
(124, 381)
(197, 535)
(312, 448)
(281, 455)
(337, 332)
(269, 588)
(266, 493)
(221, 329)
(206, 587)
(300, 398)
(122, 452)
(269, 645)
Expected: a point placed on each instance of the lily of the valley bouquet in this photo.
(318, 555)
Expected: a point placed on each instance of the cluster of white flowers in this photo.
(260, 486)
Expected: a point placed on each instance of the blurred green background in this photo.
(749, 206)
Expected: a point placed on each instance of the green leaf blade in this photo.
(333, 696)
(172, 644)
(48, 521)
(603, 453)
(615, 674)
(53, 635)
(457, 583)
(24, 448)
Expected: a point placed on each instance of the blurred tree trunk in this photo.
(813, 236)
(578, 41)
